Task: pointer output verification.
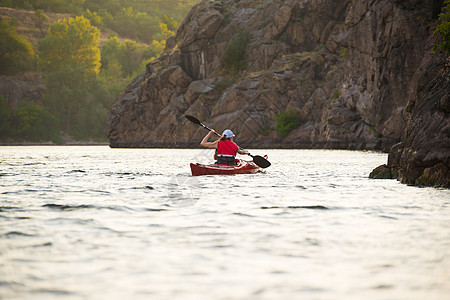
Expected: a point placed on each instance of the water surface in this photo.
(101, 223)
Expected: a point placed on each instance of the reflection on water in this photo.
(101, 223)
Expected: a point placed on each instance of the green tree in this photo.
(129, 56)
(135, 25)
(110, 50)
(94, 17)
(70, 59)
(155, 49)
(35, 123)
(70, 45)
(165, 32)
(444, 29)
(171, 23)
(16, 53)
(63, 6)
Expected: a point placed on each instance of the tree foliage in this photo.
(171, 23)
(94, 18)
(135, 24)
(35, 123)
(70, 59)
(16, 53)
(70, 49)
(47, 5)
(134, 19)
(128, 56)
(444, 29)
(82, 77)
(27, 122)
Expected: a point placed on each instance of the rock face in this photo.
(344, 66)
(423, 156)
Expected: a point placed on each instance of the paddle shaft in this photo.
(206, 127)
(197, 121)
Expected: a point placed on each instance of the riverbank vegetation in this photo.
(86, 59)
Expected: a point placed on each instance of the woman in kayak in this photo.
(226, 148)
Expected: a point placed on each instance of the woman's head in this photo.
(227, 134)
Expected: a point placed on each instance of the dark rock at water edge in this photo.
(423, 157)
(384, 172)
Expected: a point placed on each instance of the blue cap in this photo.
(227, 134)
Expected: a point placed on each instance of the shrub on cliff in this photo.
(444, 29)
(235, 51)
(286, 122)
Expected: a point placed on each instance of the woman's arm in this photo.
(242, 151)
(207, 144)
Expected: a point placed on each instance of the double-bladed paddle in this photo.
(259, 160)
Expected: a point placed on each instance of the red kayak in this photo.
(241, 167)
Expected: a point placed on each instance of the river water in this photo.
(98, 223)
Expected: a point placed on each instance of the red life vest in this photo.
(227, 147)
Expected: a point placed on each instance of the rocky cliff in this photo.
(423, 155)
(343, 66)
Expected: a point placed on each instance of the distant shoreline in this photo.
(53, 144)
(264, 145)
(186, 146)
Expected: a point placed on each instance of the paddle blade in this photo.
(193, 119)
(260, 161)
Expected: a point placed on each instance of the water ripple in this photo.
(296, 207)
(17, 233)
(66, 207)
